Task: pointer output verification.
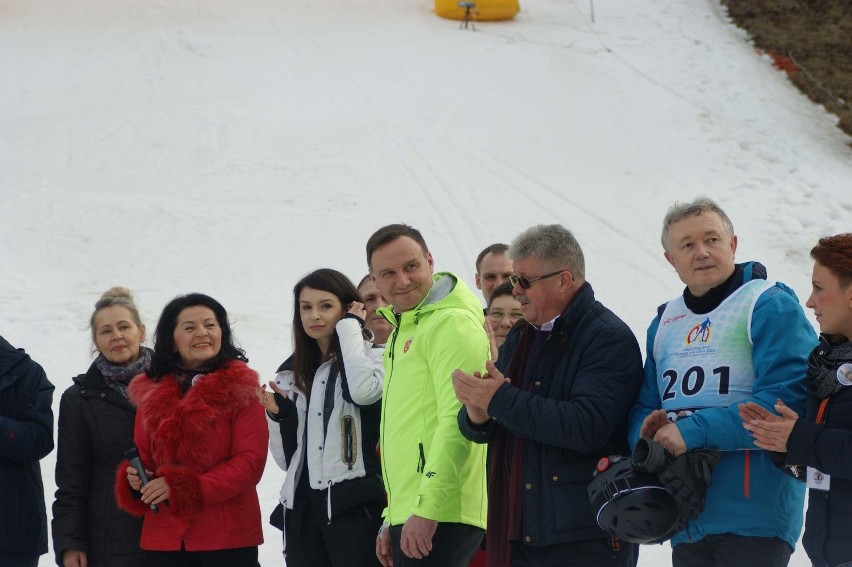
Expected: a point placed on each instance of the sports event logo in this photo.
(699, 333)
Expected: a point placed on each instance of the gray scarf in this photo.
(823, 363)
(118, 377)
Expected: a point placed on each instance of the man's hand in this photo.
(653, 422)
(383, 547)
(74, 558)
(416, 538)
(476, 416)
(772, 434)
(670, 438)
(475, 390)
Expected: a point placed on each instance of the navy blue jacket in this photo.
(582, 384)
(26, 435)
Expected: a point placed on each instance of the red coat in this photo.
(211, 446)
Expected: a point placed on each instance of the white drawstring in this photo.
(329, 502)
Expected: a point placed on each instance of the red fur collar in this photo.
(178, 426)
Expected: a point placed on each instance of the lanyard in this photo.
(821, 413)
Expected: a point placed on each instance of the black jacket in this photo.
(26, 435)
(94, 420)
(828, 448)
(582, 386)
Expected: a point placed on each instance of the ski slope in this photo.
(231, 147)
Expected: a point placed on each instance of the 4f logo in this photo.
(699, 333)
(430, 474)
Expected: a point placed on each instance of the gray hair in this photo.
(679, 211)
(550, 242)
(116, 296)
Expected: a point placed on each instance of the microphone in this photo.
(131, 453)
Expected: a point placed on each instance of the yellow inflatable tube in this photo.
(482, 11)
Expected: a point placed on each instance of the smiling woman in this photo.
(202, 434)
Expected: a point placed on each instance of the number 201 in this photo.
(693, 381)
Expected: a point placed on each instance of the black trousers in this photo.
(731, 550)
(237, 557)
(30, 562)
(349, 540)
(600, 552)
(453, 545)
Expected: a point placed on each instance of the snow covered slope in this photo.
(230, 147)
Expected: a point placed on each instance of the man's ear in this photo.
(478, 282)
(669, 259)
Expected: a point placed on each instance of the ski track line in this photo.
(399, 151)
(623, 236)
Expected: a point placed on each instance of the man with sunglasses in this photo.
(552, 405)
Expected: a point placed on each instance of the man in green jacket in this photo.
(434, 477)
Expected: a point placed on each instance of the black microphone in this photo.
(131, 453)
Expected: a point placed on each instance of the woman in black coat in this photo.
(95, 418)
(820, 445)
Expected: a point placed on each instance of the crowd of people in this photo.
(416, 428)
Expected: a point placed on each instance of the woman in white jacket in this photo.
(323, 413)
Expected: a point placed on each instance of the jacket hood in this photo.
(448, 292)
(752, 271)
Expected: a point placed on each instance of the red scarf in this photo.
(506, 474)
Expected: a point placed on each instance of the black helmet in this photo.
(631, 505)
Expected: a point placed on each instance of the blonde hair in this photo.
(116, 296)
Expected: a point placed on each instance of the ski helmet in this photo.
(631, 505)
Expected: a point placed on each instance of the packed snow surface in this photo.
(230, 147)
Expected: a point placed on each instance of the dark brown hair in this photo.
(390, 233)
(306, 352)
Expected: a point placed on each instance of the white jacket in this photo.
(336, 454)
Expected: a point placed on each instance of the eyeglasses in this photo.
(526, 283)
(498, 315)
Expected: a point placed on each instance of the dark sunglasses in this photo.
(526, 283)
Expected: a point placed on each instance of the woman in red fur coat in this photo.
(202, 438)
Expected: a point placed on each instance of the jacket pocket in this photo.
(349, 441)
(421, 460)
(566, 500)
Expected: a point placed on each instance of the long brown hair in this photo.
(306, 352)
